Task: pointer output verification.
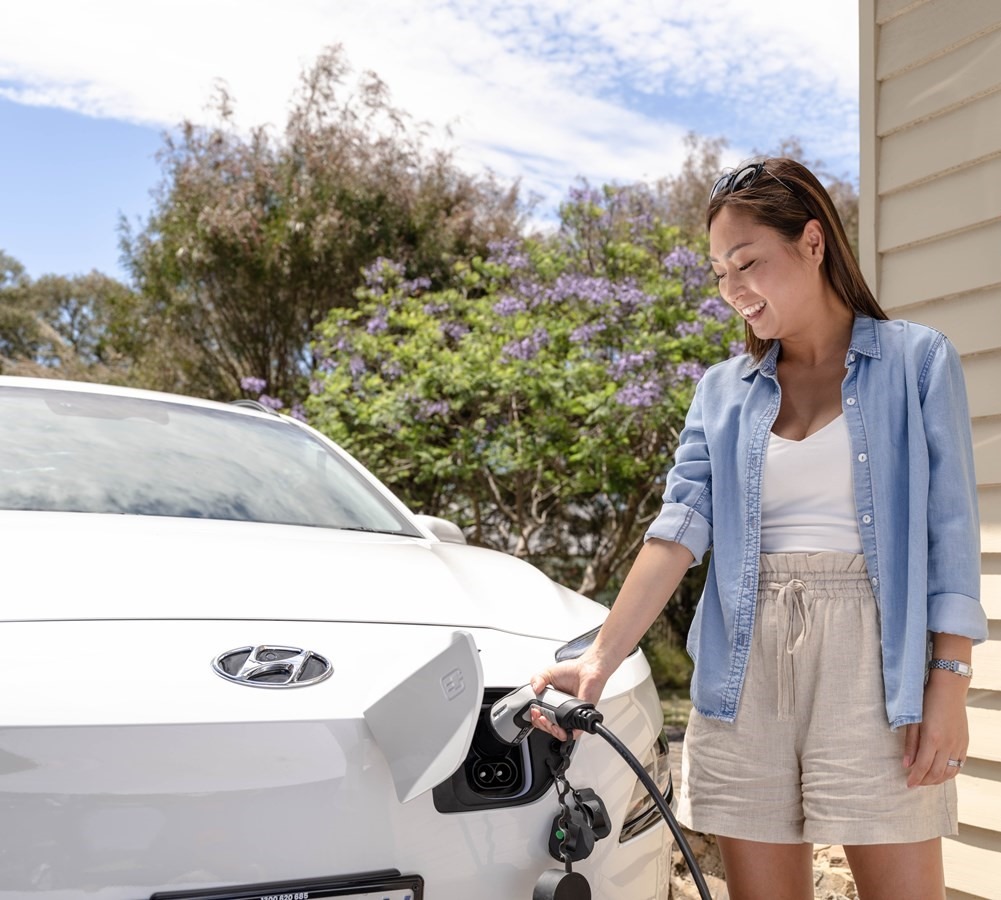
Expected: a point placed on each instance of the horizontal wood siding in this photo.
(990, 519)
(960, 200)
(943, 84)
(930, 239)
(981, 802)
(972, 868)
(983, 383)
(931, 30)
(985, 736)
(972, 320)
(941, 144)
(955, 264)
(987, 454)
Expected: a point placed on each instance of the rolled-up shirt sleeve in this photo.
(953, 523)
(686, 516)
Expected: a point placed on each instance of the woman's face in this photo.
(767, 280)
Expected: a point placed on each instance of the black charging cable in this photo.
(510, 718)
(588, 719)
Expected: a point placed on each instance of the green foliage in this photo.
(78, 327)
(255, 238)
(670, 665)
(537, 400)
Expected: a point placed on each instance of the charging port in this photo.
(496, 774)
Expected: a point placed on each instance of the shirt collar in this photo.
(865, 340)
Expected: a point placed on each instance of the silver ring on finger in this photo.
(955, 763)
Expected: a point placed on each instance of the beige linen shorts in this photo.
(810, 757)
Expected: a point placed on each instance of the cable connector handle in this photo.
(510, 717)
(565, 710)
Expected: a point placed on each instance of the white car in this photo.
(164, 559)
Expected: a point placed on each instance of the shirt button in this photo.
(850, 401)
(866, 519)
(851, 357)
(875, 581)
(862, 457)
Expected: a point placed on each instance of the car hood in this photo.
(65, 566)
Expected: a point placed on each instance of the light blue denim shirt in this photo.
(904, 400)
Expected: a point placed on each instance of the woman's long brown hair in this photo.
(786, 201)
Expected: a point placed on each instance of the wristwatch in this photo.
(953, 665)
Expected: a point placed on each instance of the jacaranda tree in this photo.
(537, 401)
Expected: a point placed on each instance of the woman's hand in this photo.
(943, 733)
(582, 677)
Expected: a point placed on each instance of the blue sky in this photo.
(543, 91)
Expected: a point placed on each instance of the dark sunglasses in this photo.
(732, 182)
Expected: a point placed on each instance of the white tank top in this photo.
(807, 503)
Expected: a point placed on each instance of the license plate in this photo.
(383, 885)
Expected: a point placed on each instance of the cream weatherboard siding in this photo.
(930, 244)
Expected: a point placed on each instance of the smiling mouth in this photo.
(749, 312)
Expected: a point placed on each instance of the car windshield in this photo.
(74, 451)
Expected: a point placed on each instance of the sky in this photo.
(544, 92)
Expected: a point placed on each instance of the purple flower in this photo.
(715, 307)
(416, 286)
(378, 323)
(356, 366)
(584, 194)
(528, 347)
(454, 330)
(686, 264)
(298, 411)
(435, 309)
(509, 306)
(629, 362)
(639, 395)
(431, 408)
(270, 402)
(392, 370)
(691, 370)
(737, 347)
(253, 385)
(584, 334)
(630, 298)
(508, 252)
(382, 273)
(685, 329)
(315, 386)
(680, 258)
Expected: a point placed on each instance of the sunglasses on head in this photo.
(732, 182)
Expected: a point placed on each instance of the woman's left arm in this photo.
(953, 522)
(955, 615)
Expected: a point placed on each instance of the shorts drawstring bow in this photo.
(794, 626)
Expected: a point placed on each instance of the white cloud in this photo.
(542, 91)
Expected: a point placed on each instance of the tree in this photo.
(75, 327)
(538, 399)
(254, 238)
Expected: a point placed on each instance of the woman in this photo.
(831, 472)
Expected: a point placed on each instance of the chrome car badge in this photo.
(271, 666)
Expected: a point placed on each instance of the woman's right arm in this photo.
(680, 534)
(652, 579)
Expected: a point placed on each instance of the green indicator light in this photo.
(560, 834)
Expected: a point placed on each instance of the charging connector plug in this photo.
(511, 720)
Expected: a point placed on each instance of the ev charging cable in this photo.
(510, 718)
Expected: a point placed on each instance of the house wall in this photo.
(930, 245)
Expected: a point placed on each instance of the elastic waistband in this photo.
(828, 565)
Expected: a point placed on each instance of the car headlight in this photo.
(642, 812)
(576, 647)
